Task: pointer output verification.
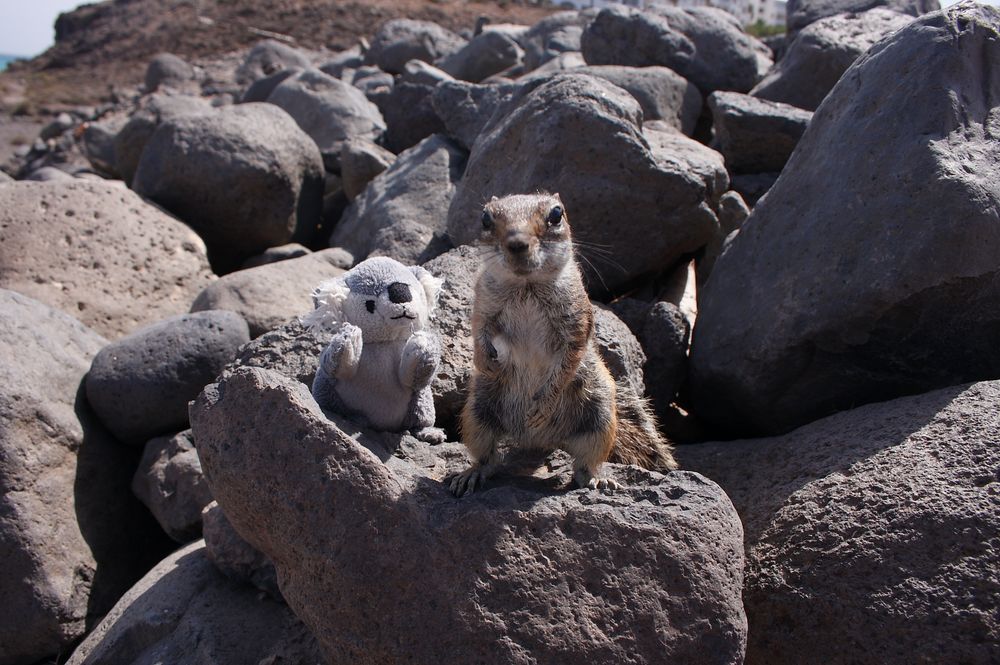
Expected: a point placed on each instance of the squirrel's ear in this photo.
(431, 284)
(328, 300)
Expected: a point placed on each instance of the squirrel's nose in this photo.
(399, 293)
(517, 245)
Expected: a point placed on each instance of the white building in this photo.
(771, 12)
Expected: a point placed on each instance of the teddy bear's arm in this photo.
(342, 356)
(419, 360)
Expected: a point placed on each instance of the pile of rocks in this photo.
(157, 388)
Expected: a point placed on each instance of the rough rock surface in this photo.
(185, 611)
(398, 41)
(64, 501)
(267, 58)
(167, 70)
(488, 53)
(328, 110)
(409, 115)
(292, 349)
(292, 250)
(619, 348)
(662, 93)
(800, 13)
(870, 270)
(665, 336)
(245, 178)
(360, 162)
(704, 45)
(558, 138)
(170, 483)
(465, 108)
(98, 251)
(411, 199)
(234, 557)
(552, 36)
(755, 135)
(493, 569)
(820, 54)
(140, 385)
(269, 295)
(131, 139)
(871, 535)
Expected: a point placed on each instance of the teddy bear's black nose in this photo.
(399, 293)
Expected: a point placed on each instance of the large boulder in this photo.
(872, 267)
(234, 557)
(641, 202)
(98, 251)
(703, 44)
(409, 115)
(169, 71)
(552, 36)
(801, 13)
(269, 295)
(755, 135)
(524, 571)
(662, 93)
(398, 41)
(132, 137)
(244, 177)
(186, 611)
(328, 110)
(140, 385)
(403, 212)
(821, 53)
(267, 58)
(488, 53)
(465, 108)
(72, 540)
(360, 162)
(871, 535)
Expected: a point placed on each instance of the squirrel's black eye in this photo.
(370, 306)
(487, 221)
(555, 216)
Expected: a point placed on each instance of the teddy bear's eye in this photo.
(370, 306)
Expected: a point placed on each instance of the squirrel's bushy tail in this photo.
(639, 440)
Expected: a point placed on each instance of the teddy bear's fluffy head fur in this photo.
(384, 298)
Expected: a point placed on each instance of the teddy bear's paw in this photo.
(432, 435)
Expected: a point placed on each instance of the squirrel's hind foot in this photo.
(585, 480)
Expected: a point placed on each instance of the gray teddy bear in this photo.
(378, 367)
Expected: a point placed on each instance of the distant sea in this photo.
(5, 59)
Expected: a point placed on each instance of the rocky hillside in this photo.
(794, 254)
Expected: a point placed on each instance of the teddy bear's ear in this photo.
(328, 299)
(431, 284)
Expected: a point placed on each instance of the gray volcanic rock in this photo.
(132, 138)
(552, 36)
(423, 73)
(398, 41)
(170, 483)
(269, 295)
(409, 115)
(800, 13)
(234, 557)
(167, 70)
(488, 53)
(71, 538)
(702, 44)
(328, 110)
(559, 138)
(872, 267)
(185, 611)
(98, 251)
(413, 193)
(360, 162)
(493, 570)
(5, 178)
(619, 348)
(268, 57)
(465, 108)
(662, 93)
(821, 53)
(292, 250)
(140, 385)
(244, 177)
(97, 142)
(871, 535)
(291, 349)
(755, 135)
(261, 89)
(665, 336)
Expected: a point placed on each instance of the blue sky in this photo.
(26, 25)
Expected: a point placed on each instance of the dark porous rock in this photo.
(632, 213)
(168, 71)
(49, 174)
(702, 44)
(133, 136)
(267, 58)
(733, 211)
(465, 108)
(552, 36)
(140, 385)
(755, 135)
(269, 295)
(328, 110)
(97, 141)
(400, 40)
(619, 348)
(820, 55)
(261, 89)
(343, 61)
(185, 611)
(72, 539)
(665, 336)
(662, 93)
(291, 349)
(334, 511)
(870, 270)
(409, 115)
(244, 177)
(61, 124)
(413, 193)
(871, 535)
(360, 162)
(234, 557)
(800, 13)
(292, 250)
(488, 53)
(753, 186)
(170, 483)
(424, 73)
(98, 251)
(452, 320)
